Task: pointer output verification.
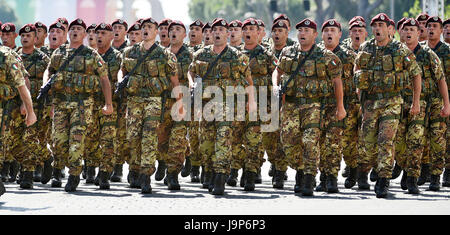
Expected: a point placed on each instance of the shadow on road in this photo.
(20, 209)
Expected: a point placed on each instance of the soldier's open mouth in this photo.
(99, 41)
(116, 35)
(277, 38)
(75, 35)
(303, 39)
(431, 33)
(207, 39)
(378, 34)
(54, 39)
(145, 34)
(330, 38)
(25, 42)
(174, 37)
(163, 36)
(357, 38)
(248, 37)
(217, 38)
(408, 37)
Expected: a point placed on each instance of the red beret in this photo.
(260, 23)
(63, 21)
(331, 23)
(400, 23)
(410, 22)
(135, 27)
(197, 23)
(92, 26)
(356, 19)
(447, 21)
(250, 21)
(381, 17)
(206, 26)
(149, 20)
(423, 17)
(236, 23)
(40, 25)
(104, 26)
(121, 22)
(140, 21)
(359, 24)
(434, 19)
(28, 28)
(8, 28)
(392, 22)
(165, 22)
(176, 22)
(307, 23)
(282, 17)
(279, 24)
(57, 25)
(220, 22)
(78, 22)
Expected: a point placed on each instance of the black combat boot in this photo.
(424, 174)
(37, 176)
(374, 175)
(47, 171)
(308, 187)
(403, 183)
(103, 180)
(27, 180)
(172, 181)
(133, 177)
(411, 183)
(90, 175)
(243, 178)
(56, 178)
(5, 171)
(251, 181)
(435, 184)
(186, 171)
(363, 183)
(13, 171)
(63, 173)
(219, 184)
(258, 179)
(278, 179)
(97, 178)
(272, 170)
(145, 181)
(299, 181)
(350, 182)
(381, 187)
(166, 178)
(72, 183)
(2, 188)
(84, 171)
(161, 171)
(118, 173)
(232, 179)
(322, 187)
(195, 172)
(396, 172)
(19, 179)
(207, 181)
(346, 172)
(211, 182)
(332, 185)
(446, 179)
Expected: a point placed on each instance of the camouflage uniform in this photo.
(11, 78)
(47, 50)
(216, 137)
(72, 92)
(122, 47)
(380, 75)
(36, 64)
(339, 137)
(301, 117)
(144, 91)
(411, 129)
(103, 128)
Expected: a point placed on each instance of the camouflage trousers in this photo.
(247, 146)
(21, 141)
(271, 143)
(409, 142)
(330, 142)
(435, 135)
(101, 143)
(122, 147)
(350, 144)
(44, 135)
(447, 153)
(69, 132)
(379, 128)
(300, 135)
(144, 117)
(194, 143)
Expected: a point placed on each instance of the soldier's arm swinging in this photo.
(251, 94)
(25, 96)
(276, 76)
(23, 109)
(443, 89)
(106, 88)
(417, 86)
(339, 94)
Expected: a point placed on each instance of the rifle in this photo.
(283, 89)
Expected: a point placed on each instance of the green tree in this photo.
(7, 14)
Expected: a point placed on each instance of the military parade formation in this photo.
(103, 95)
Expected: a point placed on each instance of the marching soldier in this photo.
(134, 34)
(9, 36)
(79, 71)
(358, 34)
(380, 69)
(163, 32)
(316, 72)
(236, 34)
(195, 35)
(423, 18)
(207, 34)
(92, 40)
(447, 31)
(55, 38)
(120, 28)
(42, 33)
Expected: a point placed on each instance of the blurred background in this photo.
(21, 12)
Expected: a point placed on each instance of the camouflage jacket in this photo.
(262, 64)
(184, 60)
(315, 77)
(152, 77)
(47, 50)
(113, 60)
(442, 50)
(122, 47)
(81, 76)
(35, 64)
(386, 70)
(11, 76)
